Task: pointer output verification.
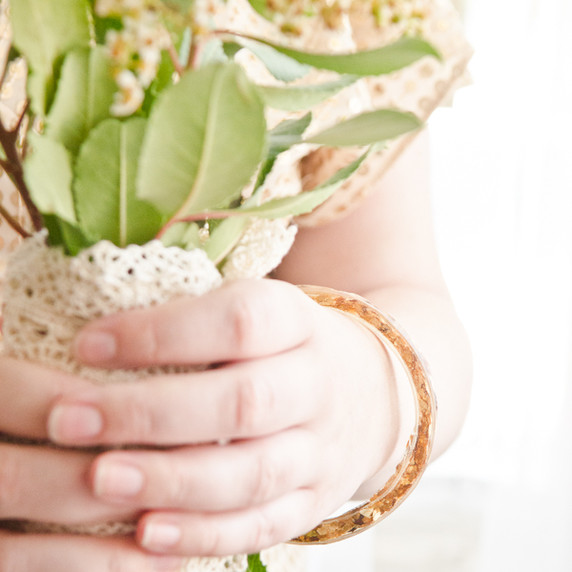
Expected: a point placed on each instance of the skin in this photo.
(310, 410)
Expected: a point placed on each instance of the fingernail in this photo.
(73, 423)
(95, 346)
(160, 536)
(115, 480)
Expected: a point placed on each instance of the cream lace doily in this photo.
(50, 296)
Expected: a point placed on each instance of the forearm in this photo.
(430, 321)
(385, 251)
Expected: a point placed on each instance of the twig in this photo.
(175, 59)
(199, 217)
(13, 167)
(13, 223)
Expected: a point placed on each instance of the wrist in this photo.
(394, 427)
(410, 469)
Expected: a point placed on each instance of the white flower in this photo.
(137, 48)
(120, 46)
(130, 96)
(147, 66)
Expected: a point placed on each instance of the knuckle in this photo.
(252, 402)
(137, 422)
(179, 489)
(265, 482)
(264, 530)
(243, 318)
(148, 346)
(210, 541)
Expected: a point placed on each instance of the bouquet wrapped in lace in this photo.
(156, 151)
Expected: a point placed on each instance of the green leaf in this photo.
(180, 5)
(224, 237)
(182, 234)
(384, 60)
(68, 235)
(84, 96)
(73, 238)
(255, 564)
(296, 205)
(103, 25)
(48, 173)
(174, 235)
(43, 31)
(261, 6)
(281, 65)
(367, 128)
(304, 202)
(296, 98)
(285, 135)
(205, 139)
(104, 188)
(212, 52)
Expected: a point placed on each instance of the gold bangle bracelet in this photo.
(409, 470)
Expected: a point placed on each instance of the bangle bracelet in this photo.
(413, 463)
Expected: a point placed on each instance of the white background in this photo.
(500, 500)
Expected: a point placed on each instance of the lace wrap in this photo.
(50, 296)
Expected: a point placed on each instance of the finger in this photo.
(241, 320)
(27, 391)
(243, 400)
(209, 478)
(229, 533)
(42, 553)
(48, 485)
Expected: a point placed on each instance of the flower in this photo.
(184, 150)
(135, 51)
(130, 96)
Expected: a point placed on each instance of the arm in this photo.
(385, 251)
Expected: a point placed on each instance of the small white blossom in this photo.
(130, 96)
(120, 46)
(147, 66)
(135, 51)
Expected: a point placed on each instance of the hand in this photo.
(300, 395)
(51, 485)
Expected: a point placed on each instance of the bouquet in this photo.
(141, 124)
(154, 126)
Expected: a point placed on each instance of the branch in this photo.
(13, 167)
(13, 223)
(175, 59)
(199, 217)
